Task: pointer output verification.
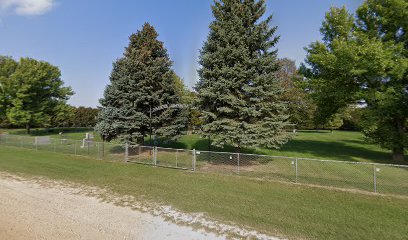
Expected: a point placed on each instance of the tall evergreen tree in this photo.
(141, 81)
(238, 90)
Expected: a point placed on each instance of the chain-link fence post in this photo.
(55, 145)
(296, 170)
(36, 143)
(103, 150)
(176, 158)
(155, 156)
(238, 162)
(375, 178)
(87, 147)
(126, 152)
(194, 160)
(97, 149)
(75, 147)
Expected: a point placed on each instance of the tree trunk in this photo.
(398, 154)
(140, 141)
(28, 130)
(398, 149)
(238, 149)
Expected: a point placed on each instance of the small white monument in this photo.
(88, 140)
(44, 140)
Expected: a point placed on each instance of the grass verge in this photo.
(278, 209)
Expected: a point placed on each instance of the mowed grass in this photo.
(339, 145)
(287, 210)
(67, 133)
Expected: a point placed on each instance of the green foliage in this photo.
(338, 24)
(301, 108)
(365, 61)
(384, 19)
(7, 68)
(196, 116)
(352, 118)
(181, 90)
(84, 117)
(32, 91)
(335, 122)
(382, 125)
(141, 81)
(238, 92)
(64, 116)
(188, 99)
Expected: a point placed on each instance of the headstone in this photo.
(44, 140)
(88, 140)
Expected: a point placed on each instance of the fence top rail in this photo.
(175, 149)
(230, 153)
(137, 145)
(350, 162)
(249, 154)
(164, 148)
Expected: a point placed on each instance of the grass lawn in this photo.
(339, 145)
(279, 209)
(68, 133)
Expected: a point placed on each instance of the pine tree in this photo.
(141, 81)
(238, 88)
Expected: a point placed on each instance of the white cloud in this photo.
(27, 7)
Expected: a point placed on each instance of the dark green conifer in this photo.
(238, 88)
(141, 81)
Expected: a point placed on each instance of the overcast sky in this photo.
(84, 37)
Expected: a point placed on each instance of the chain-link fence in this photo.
(373, 177)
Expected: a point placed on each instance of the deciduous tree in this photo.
(33, 90)
(301, 107)
(365, 59)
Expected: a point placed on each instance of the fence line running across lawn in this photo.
(373, 177)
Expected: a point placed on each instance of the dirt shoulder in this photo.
(29, 210)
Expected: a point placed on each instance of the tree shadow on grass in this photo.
(204, 145)
(48, 131)
(167, 143)
(343, 150)
(314, 131)
(338, 150)
(200, 145)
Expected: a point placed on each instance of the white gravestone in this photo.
(45, 140)
(88, 140)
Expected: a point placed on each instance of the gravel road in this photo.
(31, 211)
